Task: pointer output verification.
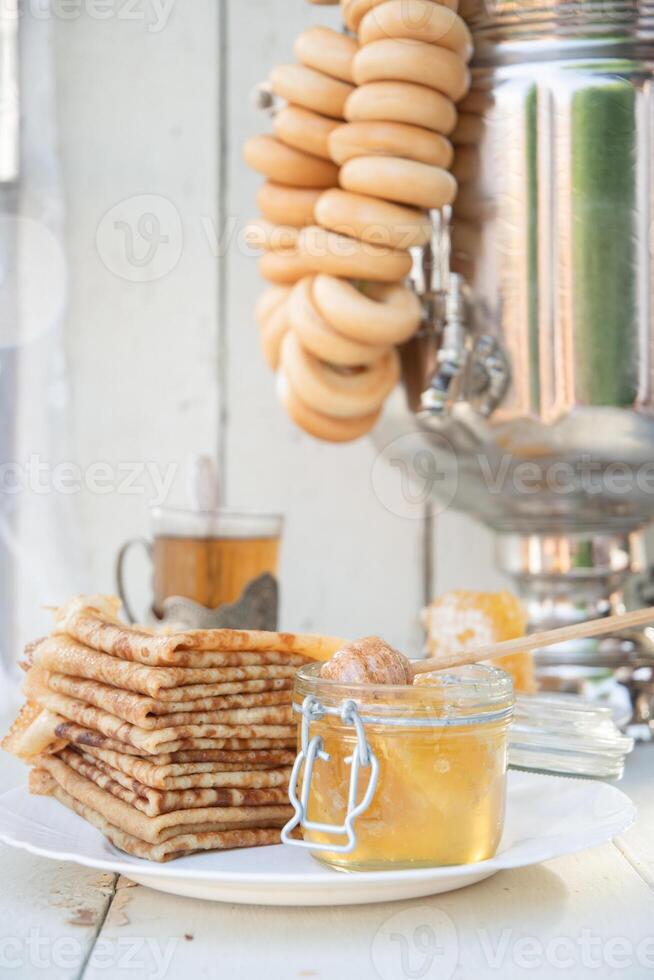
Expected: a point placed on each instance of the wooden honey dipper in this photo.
(372, 661)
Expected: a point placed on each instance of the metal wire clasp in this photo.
(312, 748)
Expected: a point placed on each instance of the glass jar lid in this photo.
(564, 735)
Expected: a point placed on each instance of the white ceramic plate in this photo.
(546, 817)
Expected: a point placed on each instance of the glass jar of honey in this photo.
(401, 777)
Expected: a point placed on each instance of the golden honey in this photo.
(442, 752)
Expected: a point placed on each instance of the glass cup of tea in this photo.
(212, 558)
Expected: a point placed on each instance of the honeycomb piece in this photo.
(461, 620)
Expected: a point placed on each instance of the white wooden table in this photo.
(590, 915)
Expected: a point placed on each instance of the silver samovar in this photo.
(536, 361)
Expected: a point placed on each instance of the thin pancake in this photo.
(157, 829)
(42, 784)
(154, 802)
(33, 733)
(63, 655)
(251, 771)
(191, 750)
(150, 713)
(160, 740)
(93, 620)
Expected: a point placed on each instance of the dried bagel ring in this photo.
(328, 51)
(283, 205)
(353, 11)
(322, 426)
(362, 139)
(311, 89)
(319, 338)
(305, 130)
(338, 255)
(404, 181)
(419, 20)
(271, 298)
(408, 60)
(379, 314)
(337, 392)
(273, 326)
(402, 102)
(373, 220)
(262, 234)
(284, 268)
(286, 165)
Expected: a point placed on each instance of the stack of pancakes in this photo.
(167, 743)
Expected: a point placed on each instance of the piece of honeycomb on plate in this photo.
(462, 620)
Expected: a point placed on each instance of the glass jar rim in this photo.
(475, 693)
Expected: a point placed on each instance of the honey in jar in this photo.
(441, 747)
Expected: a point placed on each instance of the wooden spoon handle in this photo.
(580, 631)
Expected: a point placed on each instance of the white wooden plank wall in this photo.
(349, 565)
(160, 105)
(137, 95)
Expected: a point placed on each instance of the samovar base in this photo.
(572, 577)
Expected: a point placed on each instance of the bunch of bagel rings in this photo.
(358, 158)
